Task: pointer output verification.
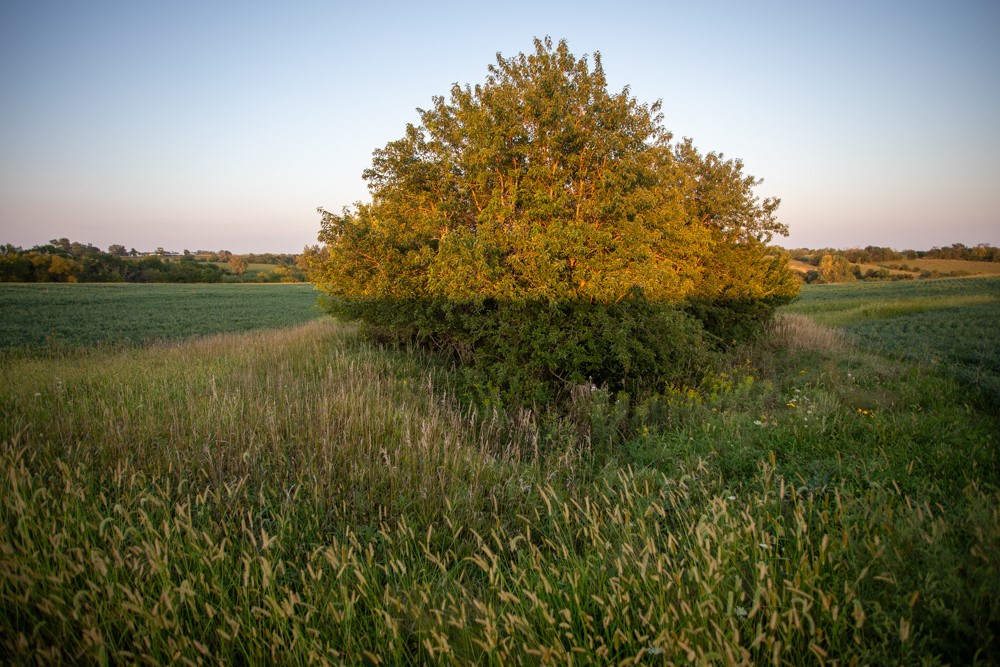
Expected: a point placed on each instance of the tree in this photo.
(835, 268)
(64, 269)
(80, 250)
(15, 266)
(284, 274)
(536, 192)
(238, 264)
(63, 245)
(117, 250)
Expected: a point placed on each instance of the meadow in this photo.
(60, 315)
(299, 495)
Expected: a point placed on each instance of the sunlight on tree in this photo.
(539, 186)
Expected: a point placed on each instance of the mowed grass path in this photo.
(59, 315)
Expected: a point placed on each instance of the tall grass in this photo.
(299, 496)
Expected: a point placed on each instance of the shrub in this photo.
(539, 350)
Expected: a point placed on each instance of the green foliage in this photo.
(729, 321)
(982, 252)
(65, 261)
(836, 269)
(539, 189)
(39, 267)
(48, 265)
(531, 349)
(239, 265)
(55, 316)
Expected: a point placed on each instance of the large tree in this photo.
(540, 186)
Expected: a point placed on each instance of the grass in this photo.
(302, 496)
(949, 324)
(847, 303)
(252, 267)
(33, 316)
(800, 266)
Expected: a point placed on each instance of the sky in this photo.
(224, 125)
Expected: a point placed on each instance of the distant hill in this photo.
(827, 265)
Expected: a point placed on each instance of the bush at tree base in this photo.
(551, 234)
(537, 350)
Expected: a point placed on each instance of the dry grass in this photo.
(800, 267)
(798, 332)
(945, 266)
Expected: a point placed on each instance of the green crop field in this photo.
(47, 315)
(848, 303)
(301, 495)
(950, 323)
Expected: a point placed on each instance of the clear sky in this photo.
(210, 125)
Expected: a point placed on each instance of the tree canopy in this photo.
(541, 186)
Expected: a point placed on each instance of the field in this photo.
(850, 303)
(299, 495)
(800, 266)
(252, 267)
(944, 266)
(949, 324)
(54, 315)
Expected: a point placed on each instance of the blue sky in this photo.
(224, 125)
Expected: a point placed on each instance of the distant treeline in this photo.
(982, 252)
(835, 266)
(62, 260)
